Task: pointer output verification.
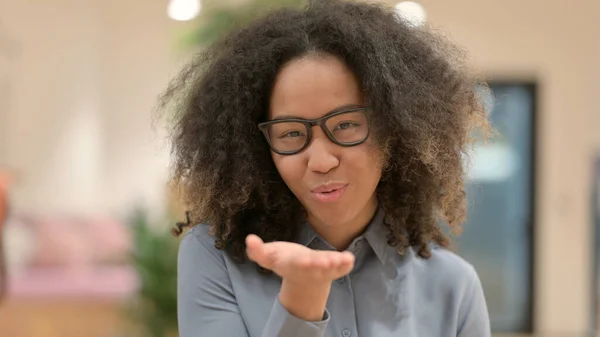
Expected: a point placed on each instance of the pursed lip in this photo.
(329, 192)
(329, 187)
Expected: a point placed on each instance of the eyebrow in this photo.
(340, 108)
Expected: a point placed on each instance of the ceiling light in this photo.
(412, 13)
(183, 10)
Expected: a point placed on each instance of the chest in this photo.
(373, 303)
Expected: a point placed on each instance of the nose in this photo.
(321, 155)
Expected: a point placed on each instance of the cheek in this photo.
(367, 162)
(290, 169)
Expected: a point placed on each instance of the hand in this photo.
(298, 264)
(306, 274)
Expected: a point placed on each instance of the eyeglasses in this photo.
(287, 136)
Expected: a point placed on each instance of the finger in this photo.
(322, 261)
(253, 241)
(254, 245)
(309, 265)
(332, 272)
(346, 263)
(336, 259)
(347, 258)
(326, 265)
(310, 259)
(304, 261)
(264, 254)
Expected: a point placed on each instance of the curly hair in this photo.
(426, 107)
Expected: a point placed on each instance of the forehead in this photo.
(311, 86)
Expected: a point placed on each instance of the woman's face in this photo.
(309, 88)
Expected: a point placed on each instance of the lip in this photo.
(329, 192)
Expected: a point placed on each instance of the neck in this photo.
(341, 235)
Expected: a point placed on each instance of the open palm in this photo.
(297, 263)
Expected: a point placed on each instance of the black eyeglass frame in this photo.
(309, 123)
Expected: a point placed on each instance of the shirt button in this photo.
(346, 333)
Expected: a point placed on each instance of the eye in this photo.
(291, 134)
(346, 125)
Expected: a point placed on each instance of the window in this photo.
(497, 237)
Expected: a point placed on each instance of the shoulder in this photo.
(452, 284)
(451, 265)
(197, 247)
(198, 236)
(447, 272)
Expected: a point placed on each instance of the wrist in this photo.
(305, 301)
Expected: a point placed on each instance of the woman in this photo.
(319, 148)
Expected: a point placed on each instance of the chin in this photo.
(333, 215)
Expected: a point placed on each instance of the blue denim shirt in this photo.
(386, 294)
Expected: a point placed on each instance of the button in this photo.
(341, 280)
(346, 333)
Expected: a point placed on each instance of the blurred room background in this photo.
(87, 243)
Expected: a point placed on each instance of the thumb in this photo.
(253, 245)
(257, 251)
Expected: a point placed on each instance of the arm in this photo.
(473, 315)
(206, 302)
(282, 323)
(306, 302)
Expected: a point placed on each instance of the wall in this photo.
(557, 47)
(83, 86)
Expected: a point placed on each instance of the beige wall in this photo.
(83, 87)
(86, 77)
(556, 44)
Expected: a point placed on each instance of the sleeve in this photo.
(283, 324)
(206, 303)
(473, 315)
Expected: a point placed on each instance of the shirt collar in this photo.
(307, 234)
(376, 235)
